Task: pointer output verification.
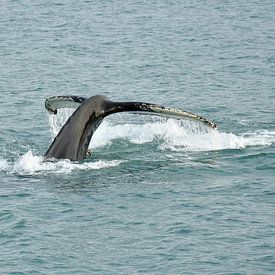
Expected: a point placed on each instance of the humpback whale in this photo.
(73, 139)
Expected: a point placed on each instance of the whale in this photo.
(73, 139)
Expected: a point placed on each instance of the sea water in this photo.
(157, 196)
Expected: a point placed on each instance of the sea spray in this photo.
(30, 164)
(171, 134)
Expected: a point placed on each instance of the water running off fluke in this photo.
(73, 139)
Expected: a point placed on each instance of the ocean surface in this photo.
(157, 196)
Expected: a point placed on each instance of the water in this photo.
(157, 196)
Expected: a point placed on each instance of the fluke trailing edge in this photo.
(73, 139)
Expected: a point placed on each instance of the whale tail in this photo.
(73, 139)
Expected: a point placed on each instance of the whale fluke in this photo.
(73, 139)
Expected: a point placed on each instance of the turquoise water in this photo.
(157, 196)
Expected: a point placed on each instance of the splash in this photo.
(170, 134)
(3, 165)
(31, 164)
(180, 136)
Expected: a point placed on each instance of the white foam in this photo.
(171, 134)
(4, 166)
(179, 136)
(30, 164)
